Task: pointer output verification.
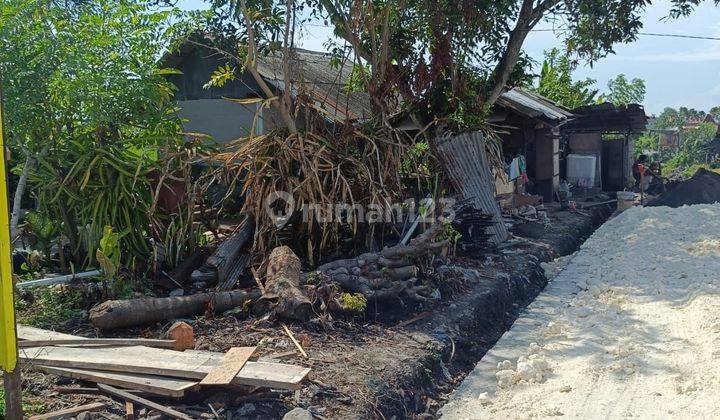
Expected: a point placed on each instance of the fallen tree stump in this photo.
(128, 313)
(390, 274)
(282, 294)
(223, 262)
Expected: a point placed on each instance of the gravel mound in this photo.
(702, 188)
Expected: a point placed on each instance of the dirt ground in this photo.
(404, 366)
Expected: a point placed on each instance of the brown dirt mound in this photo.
(702, 188)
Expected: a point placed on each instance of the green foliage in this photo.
(51, 308)
(108, 255)
(353, 302)
(221, 76)
(647, 142)
(31, 404)
(676, 118)
(556, 82)
(358, 75)
(81, 82)
(693, 151)
(42, 230)
(622, 91)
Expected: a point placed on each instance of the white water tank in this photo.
(581, 169)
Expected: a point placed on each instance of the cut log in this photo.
(70, 412)
(222, 262)
(389, 275)
(132, 312)
(234, 274)
(183, 335)
(282, 287)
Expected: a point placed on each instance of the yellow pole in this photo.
(8, 335)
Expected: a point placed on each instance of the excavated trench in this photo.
(468, 327)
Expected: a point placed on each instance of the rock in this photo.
(298, 414)
(86, 415)
(245, 410)
(177, 292)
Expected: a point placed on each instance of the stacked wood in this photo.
(224, 261)
(390, 274)
(128, 313)
(282, 295)
(163, 372)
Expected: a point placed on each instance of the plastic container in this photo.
(581, 169)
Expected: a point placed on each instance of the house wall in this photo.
(547, 158)
(207, 111)
(541, 149)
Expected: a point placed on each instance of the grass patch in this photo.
(50, 307)
(31, 404)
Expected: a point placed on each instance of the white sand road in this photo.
(629, 329)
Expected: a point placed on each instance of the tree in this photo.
(677, 118)
(622, 91)
(86, 101)
(556, 82)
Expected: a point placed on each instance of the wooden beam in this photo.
(147, 342)
(162, 362)
(158, 385)
(143, 402)
(129, 410)
(70, 412)
(229, 366)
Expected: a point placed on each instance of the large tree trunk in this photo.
(282, 293)
(128, 313)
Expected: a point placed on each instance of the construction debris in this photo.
(229, 366)
(128, 313)
(162, 372)
(388, 275)
(115, 392)
(466, 163)
(70, 412)
(282, 294)
(223, 265)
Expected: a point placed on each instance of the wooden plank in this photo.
(31, 333)
(163, 362)
(143, 402)
(229, 366)
(70, 412)
(158, 385)
(129, 410)
(148, 342)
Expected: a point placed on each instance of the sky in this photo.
(677, 71)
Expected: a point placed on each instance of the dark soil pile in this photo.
(702, 188)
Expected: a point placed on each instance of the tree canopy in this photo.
(556, 82)
(622, 91)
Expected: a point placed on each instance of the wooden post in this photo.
(8, 336)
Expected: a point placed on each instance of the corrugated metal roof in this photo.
(313, 74)
(533, 105)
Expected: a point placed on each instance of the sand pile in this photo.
(702, 188)
(629, 329)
